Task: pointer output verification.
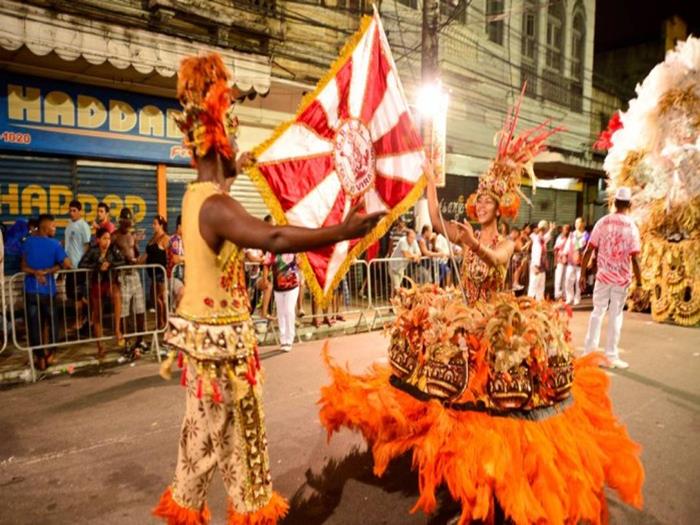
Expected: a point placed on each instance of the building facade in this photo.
(90, 85)
(87, 96)
(488, 50)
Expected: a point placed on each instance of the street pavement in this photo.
(100, 447)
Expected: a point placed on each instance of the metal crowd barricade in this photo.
(153, 283)
(175, 284)
(349, 305)
(253, 272)
(264, 327)
(42, 322)
(388, 274)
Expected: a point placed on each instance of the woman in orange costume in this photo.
(223, 425)
(483, 388)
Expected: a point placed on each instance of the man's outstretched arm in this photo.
(222, 218)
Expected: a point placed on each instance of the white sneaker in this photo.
(286, 348)
(618, 363)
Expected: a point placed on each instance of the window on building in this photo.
(454, 9)
(495, 20)
(413, 4)
(358, 6)
(529, 32)
(555, 35)
(578, 43)
(528, 49)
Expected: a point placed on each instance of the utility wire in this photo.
(566, 60)
(513, 88)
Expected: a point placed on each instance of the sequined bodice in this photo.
(480, 279)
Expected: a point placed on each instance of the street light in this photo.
(432, 103)
(431, 107)
(432, 99)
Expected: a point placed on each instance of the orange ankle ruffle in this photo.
(275, 510)
(175, 514)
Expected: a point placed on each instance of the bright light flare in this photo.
(432, 100)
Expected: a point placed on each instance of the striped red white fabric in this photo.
(353, 141)
(616, 239)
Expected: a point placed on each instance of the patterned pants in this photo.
(229, 436)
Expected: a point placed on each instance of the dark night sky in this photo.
(621, 23)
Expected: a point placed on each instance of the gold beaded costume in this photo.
(487, 396)
(223, 426)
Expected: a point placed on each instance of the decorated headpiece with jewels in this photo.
(514, 158)
(207, 119)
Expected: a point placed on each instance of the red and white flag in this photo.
(352, 141)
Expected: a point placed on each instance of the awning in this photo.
(72, 37)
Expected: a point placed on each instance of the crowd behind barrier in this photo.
(86, 307)
(43, 324)
(98, 284)
(122, 305)
(89, 307)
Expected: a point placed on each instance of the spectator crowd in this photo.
(108, 292)
(90, 282)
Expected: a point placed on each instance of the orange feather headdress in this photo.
(207, 119)
(514, 158)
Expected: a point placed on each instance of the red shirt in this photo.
(107, 225)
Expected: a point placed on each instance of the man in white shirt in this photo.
(574, 252)
(407, 250)
(539, 264)
(442, 248)
(615, 239)
(76, 242)
(560, 258)
(427, 271)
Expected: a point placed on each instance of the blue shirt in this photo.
(42, 253)
(77, 235)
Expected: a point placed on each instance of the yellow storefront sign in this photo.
(26, 104)
(33, 199)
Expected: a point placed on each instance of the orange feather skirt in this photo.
(548, 471)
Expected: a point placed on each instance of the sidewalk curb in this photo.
(23, 375)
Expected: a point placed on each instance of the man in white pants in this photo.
(539, 263)
(285, 283)
(615, 238)
(560, 257)
(574, 252)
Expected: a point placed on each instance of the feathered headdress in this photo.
(514, 158)
(207, 119)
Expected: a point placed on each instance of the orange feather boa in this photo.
(551, 471)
